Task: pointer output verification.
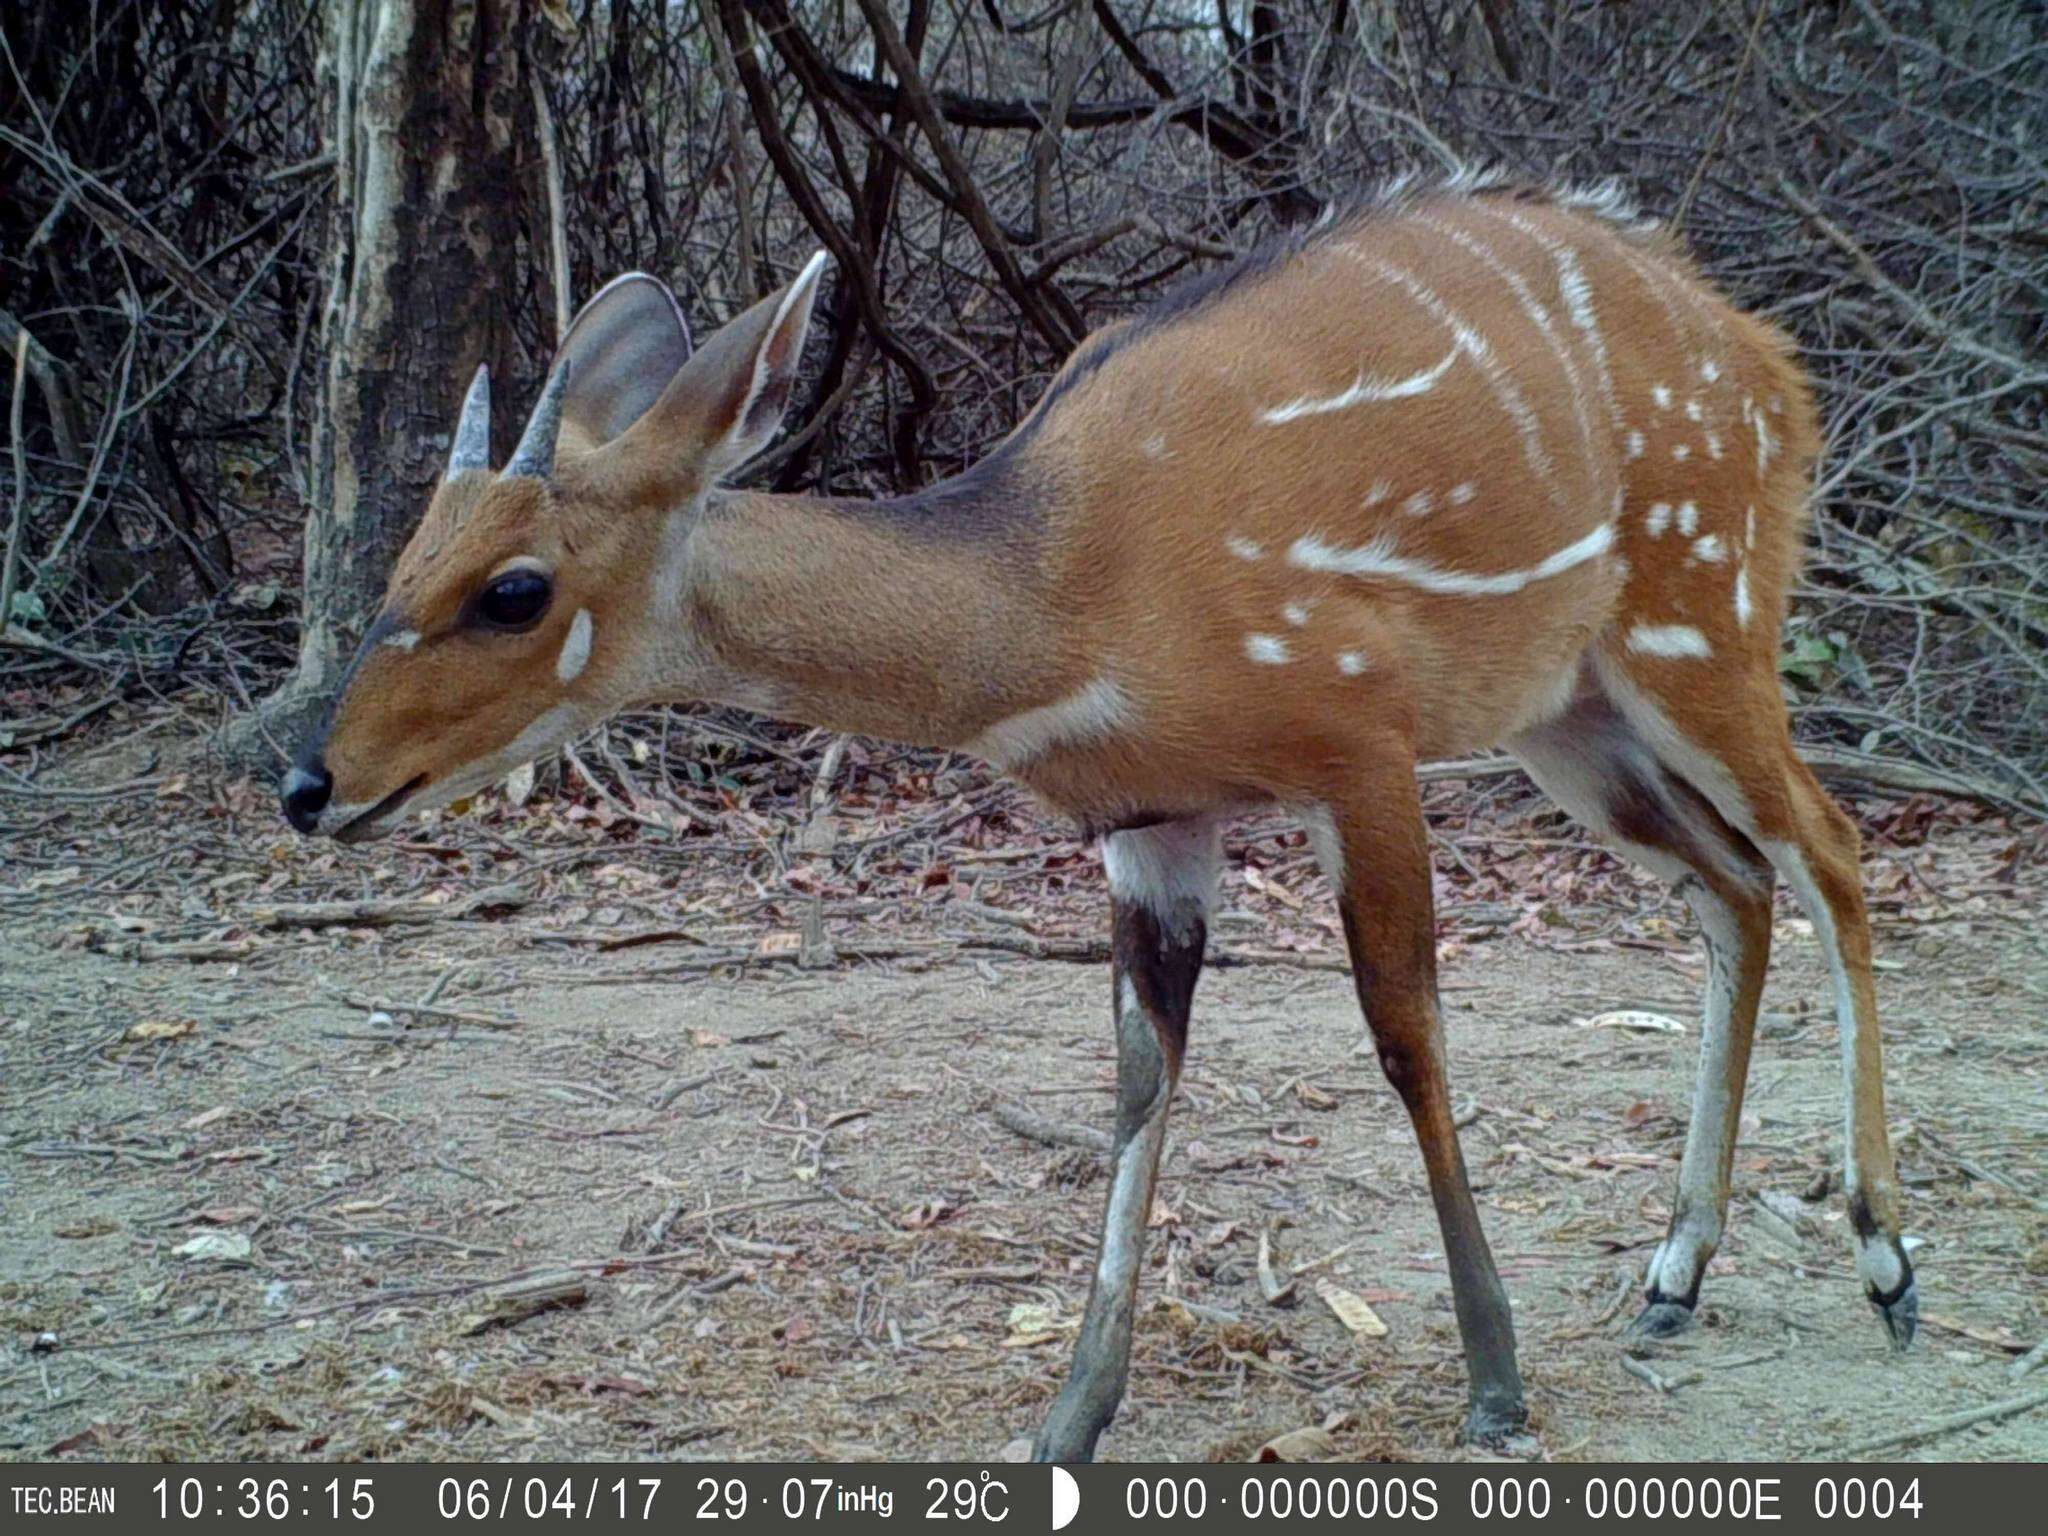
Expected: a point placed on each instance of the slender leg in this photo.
(1820, 864)
(1161, 883)
(1386, 905)
(1757, 782)
(1594, 764)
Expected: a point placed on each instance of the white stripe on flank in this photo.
(1635, 445)
(1742, 609)
(1578, 299)
(1376, 559)
(1266, 650)
(1669, 640)
(1094, 709)
(1533, 308)
(1461, 493)
(1364, 391)
(1749, 529)
(1688, 518)
(1475, 347)
(1244, 548)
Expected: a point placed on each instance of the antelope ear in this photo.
(725, 404)
(624, 348)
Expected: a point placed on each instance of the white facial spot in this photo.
(1662, 396)
(1682, 452)
(1295, 614)
(1266, 650)
(1708, 550)
(1351, 663)
(575, 649)
(1694, 412)
(1657, 519)
(1675, 641)
(1461, 493)
(1689, 518)
(1635, 445)
(1419, 504)
(1710, 370)
(404, 640)
(1244, 548)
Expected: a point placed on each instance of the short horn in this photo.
(535, 455)
(472, 448)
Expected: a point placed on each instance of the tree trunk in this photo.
(428, 110)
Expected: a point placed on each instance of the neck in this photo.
(876, 618)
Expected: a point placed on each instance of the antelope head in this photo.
(533, 602)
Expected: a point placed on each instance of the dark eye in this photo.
(514, 600)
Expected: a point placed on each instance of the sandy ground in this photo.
(801, 1232)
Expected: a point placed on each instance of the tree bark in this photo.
(428, 113)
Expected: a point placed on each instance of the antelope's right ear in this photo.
(725, 404)
(624, 348)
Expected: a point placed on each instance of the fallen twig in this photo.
(1946, 1424)
(1050, 1133)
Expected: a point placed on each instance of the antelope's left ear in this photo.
(725, 404)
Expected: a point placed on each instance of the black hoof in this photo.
(1494, 1422)
(1899, 1312)
(1661, 1320)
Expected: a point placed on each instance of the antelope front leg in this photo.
(1160, 881)
(1381, 859)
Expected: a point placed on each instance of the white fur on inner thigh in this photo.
(1169, 870)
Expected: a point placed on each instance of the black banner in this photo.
(763, 1497)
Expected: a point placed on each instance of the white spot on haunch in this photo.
(1244, 548)
(1682, 452)
(1708, 550)
(1710, 370)
(1419, 504)
(1461, 493)
(1669, 640)
(1266, 650)
(1351, 663)
(1694, 411)
(1688, 518)
(1657, 519)
(1365, 390)
(404, 640)
(1295, 614)
(575, 648)
(1662, 396)
(1094, 710)
(1634, 446)
(1377, 559)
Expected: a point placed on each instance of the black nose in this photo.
(305, 794)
